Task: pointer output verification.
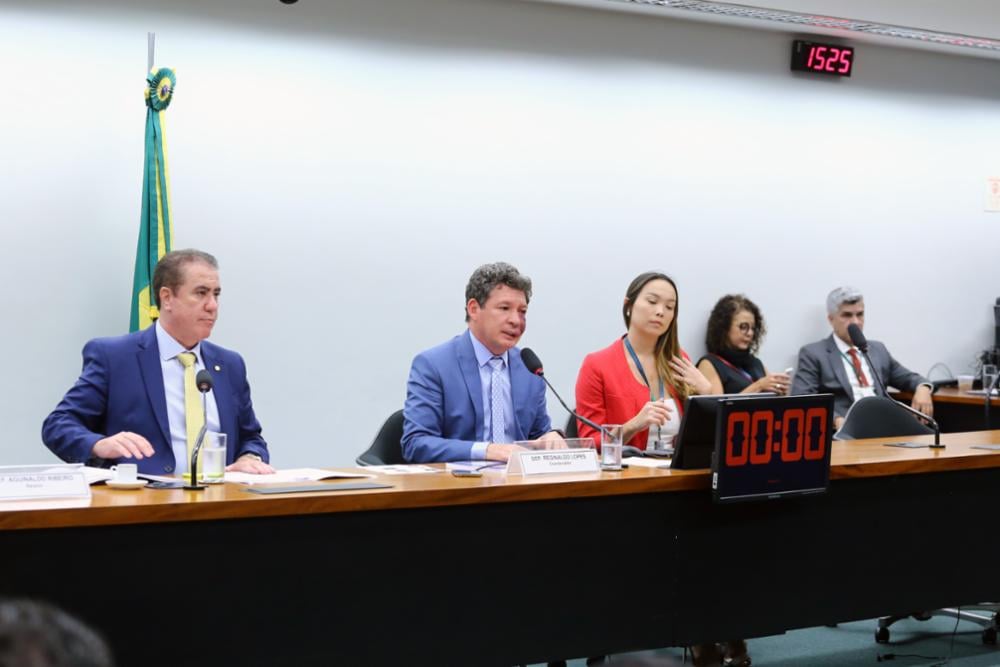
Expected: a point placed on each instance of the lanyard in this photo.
(642, 373)
(738, 370)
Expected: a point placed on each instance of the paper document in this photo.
(403, 469)
(643, 462)
(292, 475)
(96, 475)
(475, 466)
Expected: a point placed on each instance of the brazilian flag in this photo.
(156, 230)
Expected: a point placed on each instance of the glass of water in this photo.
(212, 462)
(989, 376)
(611, 446)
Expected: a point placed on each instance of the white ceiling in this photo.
(978, 18)
(971, 18)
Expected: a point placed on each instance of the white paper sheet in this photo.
(642, 462)
(292, 475)
(403, 469)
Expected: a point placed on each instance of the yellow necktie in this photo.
(194, 417)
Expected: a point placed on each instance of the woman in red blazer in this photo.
(642, 379)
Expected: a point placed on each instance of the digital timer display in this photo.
(834, 59)
(772, 447)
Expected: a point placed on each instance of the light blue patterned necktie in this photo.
(498, 380)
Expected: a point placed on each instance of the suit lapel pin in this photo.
(218, 368)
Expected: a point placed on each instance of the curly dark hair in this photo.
(486, 277)
(721, 319)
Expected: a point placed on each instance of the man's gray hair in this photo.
(486, 277)
(840, 296)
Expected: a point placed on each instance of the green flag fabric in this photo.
(156, 230)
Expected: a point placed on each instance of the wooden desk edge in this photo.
(854, 459)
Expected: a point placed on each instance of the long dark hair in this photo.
(721, 319)
(667, 345)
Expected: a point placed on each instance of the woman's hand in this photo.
(691, 376)
(777, 383)
(654, 413)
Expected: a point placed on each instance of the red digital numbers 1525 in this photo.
(835, 59)
(829, 59)
(754, 437)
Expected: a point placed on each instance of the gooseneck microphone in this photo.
(988, 399)
(534, 364)
(859, 341)
(204, 383)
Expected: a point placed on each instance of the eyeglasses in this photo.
(746, 327)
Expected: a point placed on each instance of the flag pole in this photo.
(150, 50)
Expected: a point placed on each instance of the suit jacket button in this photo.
(168, 468)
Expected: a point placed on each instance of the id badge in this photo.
(862, 392)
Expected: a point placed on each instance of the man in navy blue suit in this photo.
(472, 397)
(129, 403)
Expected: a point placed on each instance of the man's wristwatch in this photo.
(251, 455)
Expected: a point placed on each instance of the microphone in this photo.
(988, 399)
(534, 364)
(857, 337)
(859, 341)
(204, 383)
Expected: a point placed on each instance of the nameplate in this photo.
(552, 461)
(43, 482)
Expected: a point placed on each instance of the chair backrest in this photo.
(386, 448)
(572, 430)
(877, 417)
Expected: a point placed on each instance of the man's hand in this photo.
(249, 463)
(922, 400)
(124, 445)
(838, 421)
(551, 440)
(497, 452)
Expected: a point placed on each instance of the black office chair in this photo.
(385, 448)
(877, 417)
(571, 430)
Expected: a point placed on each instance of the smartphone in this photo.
(466, 473)
(153, 484)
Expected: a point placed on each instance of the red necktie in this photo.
(856, 360)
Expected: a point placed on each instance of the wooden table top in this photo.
(951, 395)
(850, 459)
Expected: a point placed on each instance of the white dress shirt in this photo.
(856, 388)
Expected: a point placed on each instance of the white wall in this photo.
(351, 164)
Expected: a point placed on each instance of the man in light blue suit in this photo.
(129, 403)
(471, 397)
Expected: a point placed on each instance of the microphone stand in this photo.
(192, 484)
(988, 400)
(920, 415)
(599, 429)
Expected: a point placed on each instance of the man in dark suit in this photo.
(833, 365)
(131, 401)
(472, 396)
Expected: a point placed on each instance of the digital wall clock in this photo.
(832, 59)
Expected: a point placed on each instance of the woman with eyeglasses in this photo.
(642, 379)
(735, 332)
